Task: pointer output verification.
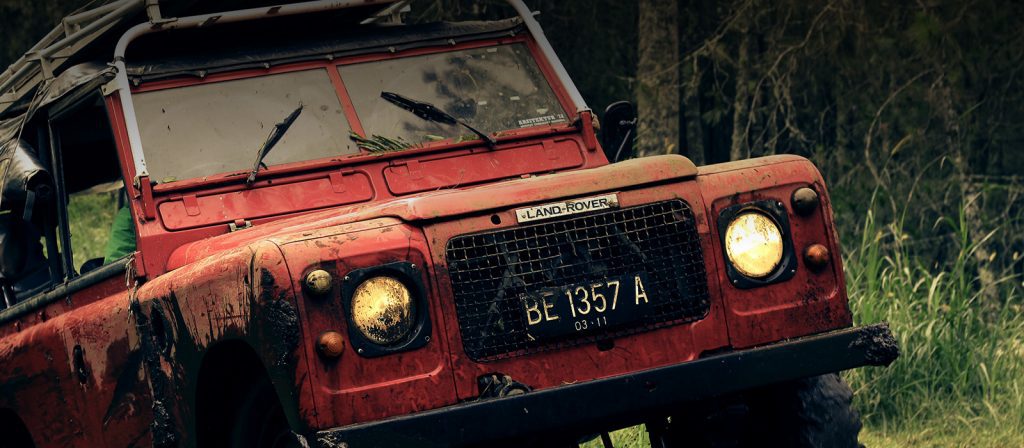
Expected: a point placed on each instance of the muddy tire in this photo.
(260, 421)
(809, 413)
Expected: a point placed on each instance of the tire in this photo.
(809, 413)
(260, 421)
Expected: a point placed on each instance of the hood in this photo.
(446, 204)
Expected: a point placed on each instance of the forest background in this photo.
(912, 110)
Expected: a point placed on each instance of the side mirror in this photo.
(618, 131)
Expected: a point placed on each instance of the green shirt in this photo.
(122, 237)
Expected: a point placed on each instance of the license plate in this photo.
(587, 308)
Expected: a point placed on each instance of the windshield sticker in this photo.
(546, 119)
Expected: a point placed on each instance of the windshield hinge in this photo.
(145, 189)
(239, 224)
(586, 122)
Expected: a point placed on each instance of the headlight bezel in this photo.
(776, 211)
(412, 278)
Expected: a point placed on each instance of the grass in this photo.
(960, 378)
(959, 381)
(90, 217)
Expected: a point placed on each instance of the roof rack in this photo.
(78, 30)
(71, 35)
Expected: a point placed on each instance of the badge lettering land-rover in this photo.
(566, 208)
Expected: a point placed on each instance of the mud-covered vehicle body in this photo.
(340, 230)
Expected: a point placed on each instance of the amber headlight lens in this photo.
(383, 310)
(753, 243)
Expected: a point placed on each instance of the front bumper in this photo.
(623, 400)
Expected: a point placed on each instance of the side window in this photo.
(96, 227)
(27, 219)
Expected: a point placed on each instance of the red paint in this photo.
(431, 173)
(308, 194)
(342, 214)
(346, 103)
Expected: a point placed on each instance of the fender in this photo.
(242, 294)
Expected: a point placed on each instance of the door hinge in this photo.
(239, 224)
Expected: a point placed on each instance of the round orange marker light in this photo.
(816, 256)
(330, 344)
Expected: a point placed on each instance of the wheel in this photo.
(809, 413)
(260, 421)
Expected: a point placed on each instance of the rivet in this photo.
(426, 339)
(360, 351)
(317, 282)
(412, 265)
(330, 344)
(347, 278)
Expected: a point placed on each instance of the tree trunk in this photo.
(694, 128)
(741, 104)
(658, 78)
(971, 192)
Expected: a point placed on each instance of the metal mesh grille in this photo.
(491, 270)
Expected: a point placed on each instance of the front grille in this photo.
(491, 270)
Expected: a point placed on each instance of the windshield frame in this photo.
(332, 66)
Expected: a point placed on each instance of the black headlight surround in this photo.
(775, 210)
(412, 278)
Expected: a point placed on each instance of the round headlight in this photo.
(383, 310)
(753, 243)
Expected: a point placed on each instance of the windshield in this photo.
(201, 130)
(218, 127)
(492, 89)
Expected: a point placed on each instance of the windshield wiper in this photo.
(430, 112)
(272, 139)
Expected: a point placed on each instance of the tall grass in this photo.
(959, 379)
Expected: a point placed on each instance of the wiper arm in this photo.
(430, 112)
(272, 139)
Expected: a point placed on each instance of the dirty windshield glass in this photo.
(493, 89)
(196, 131)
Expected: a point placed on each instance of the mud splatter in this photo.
(283, 322)
(879, 346)
(164, 431)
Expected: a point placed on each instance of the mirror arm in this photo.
(625, 138)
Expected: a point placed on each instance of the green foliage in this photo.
(958, 380)
(379, 144)
(91, 217)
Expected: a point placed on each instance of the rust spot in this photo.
(266, 284)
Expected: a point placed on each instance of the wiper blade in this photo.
(272, 139)
(430, 112)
